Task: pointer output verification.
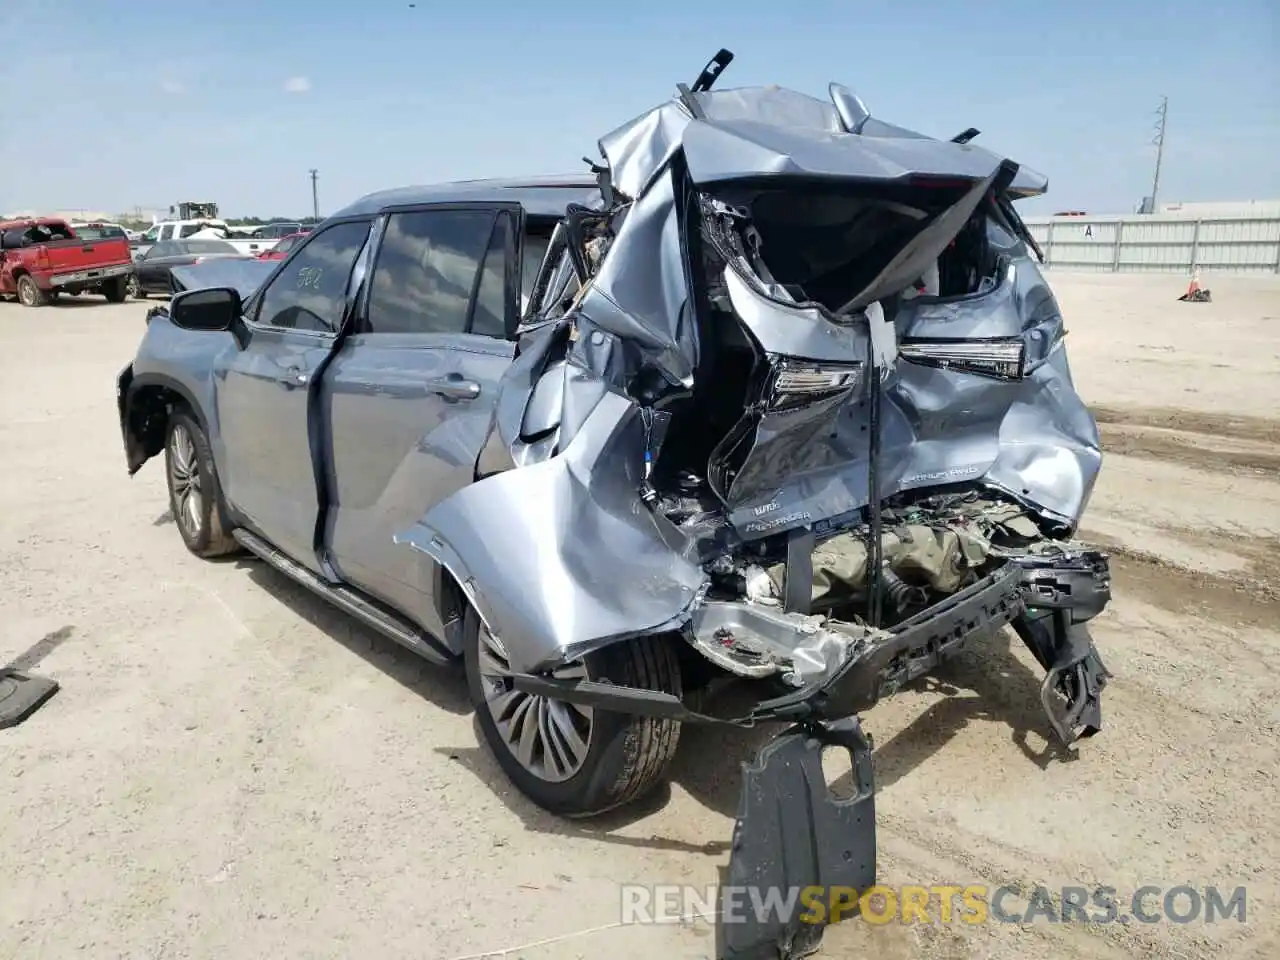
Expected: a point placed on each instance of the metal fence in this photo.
(1160, 244)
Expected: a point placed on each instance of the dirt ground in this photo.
(232, 769)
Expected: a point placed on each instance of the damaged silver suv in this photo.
(775, 399)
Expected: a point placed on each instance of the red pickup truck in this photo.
(44, 257)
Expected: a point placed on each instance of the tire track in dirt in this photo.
(1235, 426)
(1252, 599)
(1239, 444)
(1247, 458)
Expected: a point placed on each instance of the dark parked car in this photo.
(784, 409)
(151, 269)
(275, 231)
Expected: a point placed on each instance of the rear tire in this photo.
(30, 295)
(195, 497)
(621, 757)
(115, 289)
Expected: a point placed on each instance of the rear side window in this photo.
(310, 292)
(100, 233)
(441, 271)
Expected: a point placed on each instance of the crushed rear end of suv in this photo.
(794, 399)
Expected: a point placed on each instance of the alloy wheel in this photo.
(131, 286)
(549, 738)
(184, 476)
(27, 292)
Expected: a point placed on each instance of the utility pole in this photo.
(315, 197)
(1162, 115)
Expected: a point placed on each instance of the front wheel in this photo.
(195, 498)
(570, 760)
(134, 289)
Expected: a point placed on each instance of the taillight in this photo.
(795, 381)
(42, 257)
(1001, 357)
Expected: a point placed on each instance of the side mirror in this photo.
(215, 308)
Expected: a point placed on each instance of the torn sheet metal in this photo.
(1031, 436)
(725, 150)
(558, 556)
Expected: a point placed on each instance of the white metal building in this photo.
(1222, 208)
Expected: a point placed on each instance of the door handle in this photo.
(455, 387)
(294, 377)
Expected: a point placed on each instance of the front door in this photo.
(409, 396)
(152, 276)
(265, 395)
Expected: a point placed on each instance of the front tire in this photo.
(134, 288)
(574, 761)
(195, 497)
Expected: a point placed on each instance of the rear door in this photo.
(265, 395)
(409, 396)
(152, 268)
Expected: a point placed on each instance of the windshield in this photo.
(206, 246)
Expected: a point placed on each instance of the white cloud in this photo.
(172, 86)
(297, 85)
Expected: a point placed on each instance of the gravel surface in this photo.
(232, 769)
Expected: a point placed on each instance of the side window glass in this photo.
(426, 270)
(487, 316)
(166, 232)
(309, 294)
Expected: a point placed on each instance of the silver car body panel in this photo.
(551, 541)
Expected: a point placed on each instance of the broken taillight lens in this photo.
(797, 382)
(1001, 357)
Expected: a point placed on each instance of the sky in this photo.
(118, 104)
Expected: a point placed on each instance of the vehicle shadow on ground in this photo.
(444, 687)
(987, 683)
(78, 303)
(479, 762)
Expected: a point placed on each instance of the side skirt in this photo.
(349, 600)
